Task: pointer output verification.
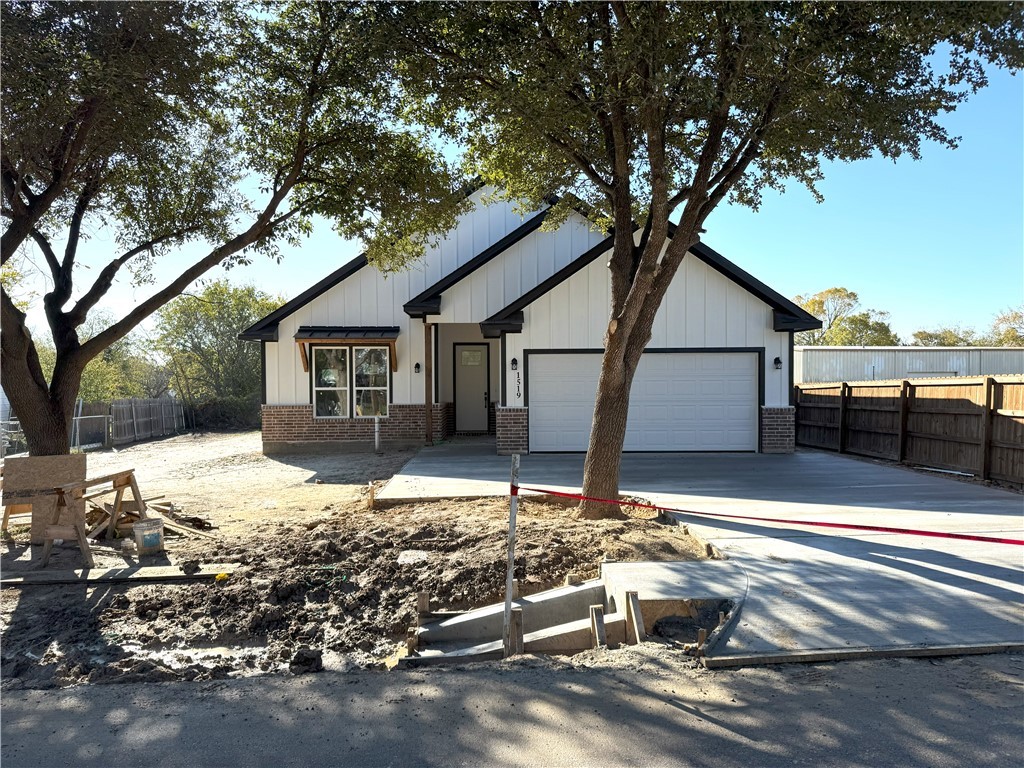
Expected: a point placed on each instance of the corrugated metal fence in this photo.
(825, 364)
(972, 425)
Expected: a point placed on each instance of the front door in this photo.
(472, 363)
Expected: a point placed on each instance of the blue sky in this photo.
(934, 242)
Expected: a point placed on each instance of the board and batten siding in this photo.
(702, 309)
(370, 298)
(830, 364)
(518, 269)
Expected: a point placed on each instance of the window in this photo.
(351, 381)
(330, 381)
(371, 379)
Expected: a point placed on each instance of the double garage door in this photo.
(680, 401)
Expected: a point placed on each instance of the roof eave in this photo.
(492, 328)
(784, 321)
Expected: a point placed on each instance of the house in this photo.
(499, 330)
(827, 364)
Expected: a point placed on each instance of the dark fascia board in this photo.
(492, 329)
(429, 301)
(787, 316)
(266, 329)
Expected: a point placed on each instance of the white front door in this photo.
(472, 394)
(689, 401)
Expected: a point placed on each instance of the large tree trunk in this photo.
(44, 410)
(611, 407)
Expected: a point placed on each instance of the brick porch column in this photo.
(778, 429)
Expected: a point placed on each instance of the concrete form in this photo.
(815, 593)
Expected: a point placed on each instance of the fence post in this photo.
(844, 394)
(987, 405)
(901, 443)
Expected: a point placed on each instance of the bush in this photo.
(227, 413)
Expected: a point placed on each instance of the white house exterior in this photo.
(826, 364)
(499, 330)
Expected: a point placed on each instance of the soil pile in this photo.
(341, 582)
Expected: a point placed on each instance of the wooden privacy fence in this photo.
(973, 425)
(135, 419)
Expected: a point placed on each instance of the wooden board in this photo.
(109, 575)
(42, 473)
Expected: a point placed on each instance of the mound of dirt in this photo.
(341, 583)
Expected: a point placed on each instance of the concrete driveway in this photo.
(811, 593)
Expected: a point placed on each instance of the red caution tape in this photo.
(816, 523)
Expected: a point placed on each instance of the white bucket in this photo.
(149, 535)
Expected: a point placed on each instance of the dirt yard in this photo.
(316, 569)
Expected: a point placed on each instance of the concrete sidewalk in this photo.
(814, 592)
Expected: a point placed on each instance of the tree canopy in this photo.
(228, 125)
(198, 335)
(651, 114)
(842, 325)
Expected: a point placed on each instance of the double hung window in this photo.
(351, 381)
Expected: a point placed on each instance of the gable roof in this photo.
(266, 329)
(429, 301)
(786, 315)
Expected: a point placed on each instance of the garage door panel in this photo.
(704, 401)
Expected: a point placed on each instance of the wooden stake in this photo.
(516, 633)
(513, 506)
(597, 633)
(635, 629)
(423, 603)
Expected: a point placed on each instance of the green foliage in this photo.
(947, 337)
(654, 113)
(226, 125)
(198, 335)
(842, 325)
(550, 97)
(12, 278)
(127, 368)
(1007, 329)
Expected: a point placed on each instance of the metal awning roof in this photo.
(352, 333)
(308, 334)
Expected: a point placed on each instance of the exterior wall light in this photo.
(416, 368)
(778, 363)
(515, 364)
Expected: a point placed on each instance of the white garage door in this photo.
(689, 401)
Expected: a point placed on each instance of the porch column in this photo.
(428, 380)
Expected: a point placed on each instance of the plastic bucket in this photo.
(149, 535)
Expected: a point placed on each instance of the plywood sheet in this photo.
(31, 480)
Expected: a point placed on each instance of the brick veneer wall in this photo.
(778, 429)
(512, 430)
(292, 427)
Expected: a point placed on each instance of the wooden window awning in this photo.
(356, 336)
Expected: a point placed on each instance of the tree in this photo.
(1007, 329)
(165, 121)
(198, 334)
(652, 114)
(125, 369)
(841, 325)
(946, 337)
